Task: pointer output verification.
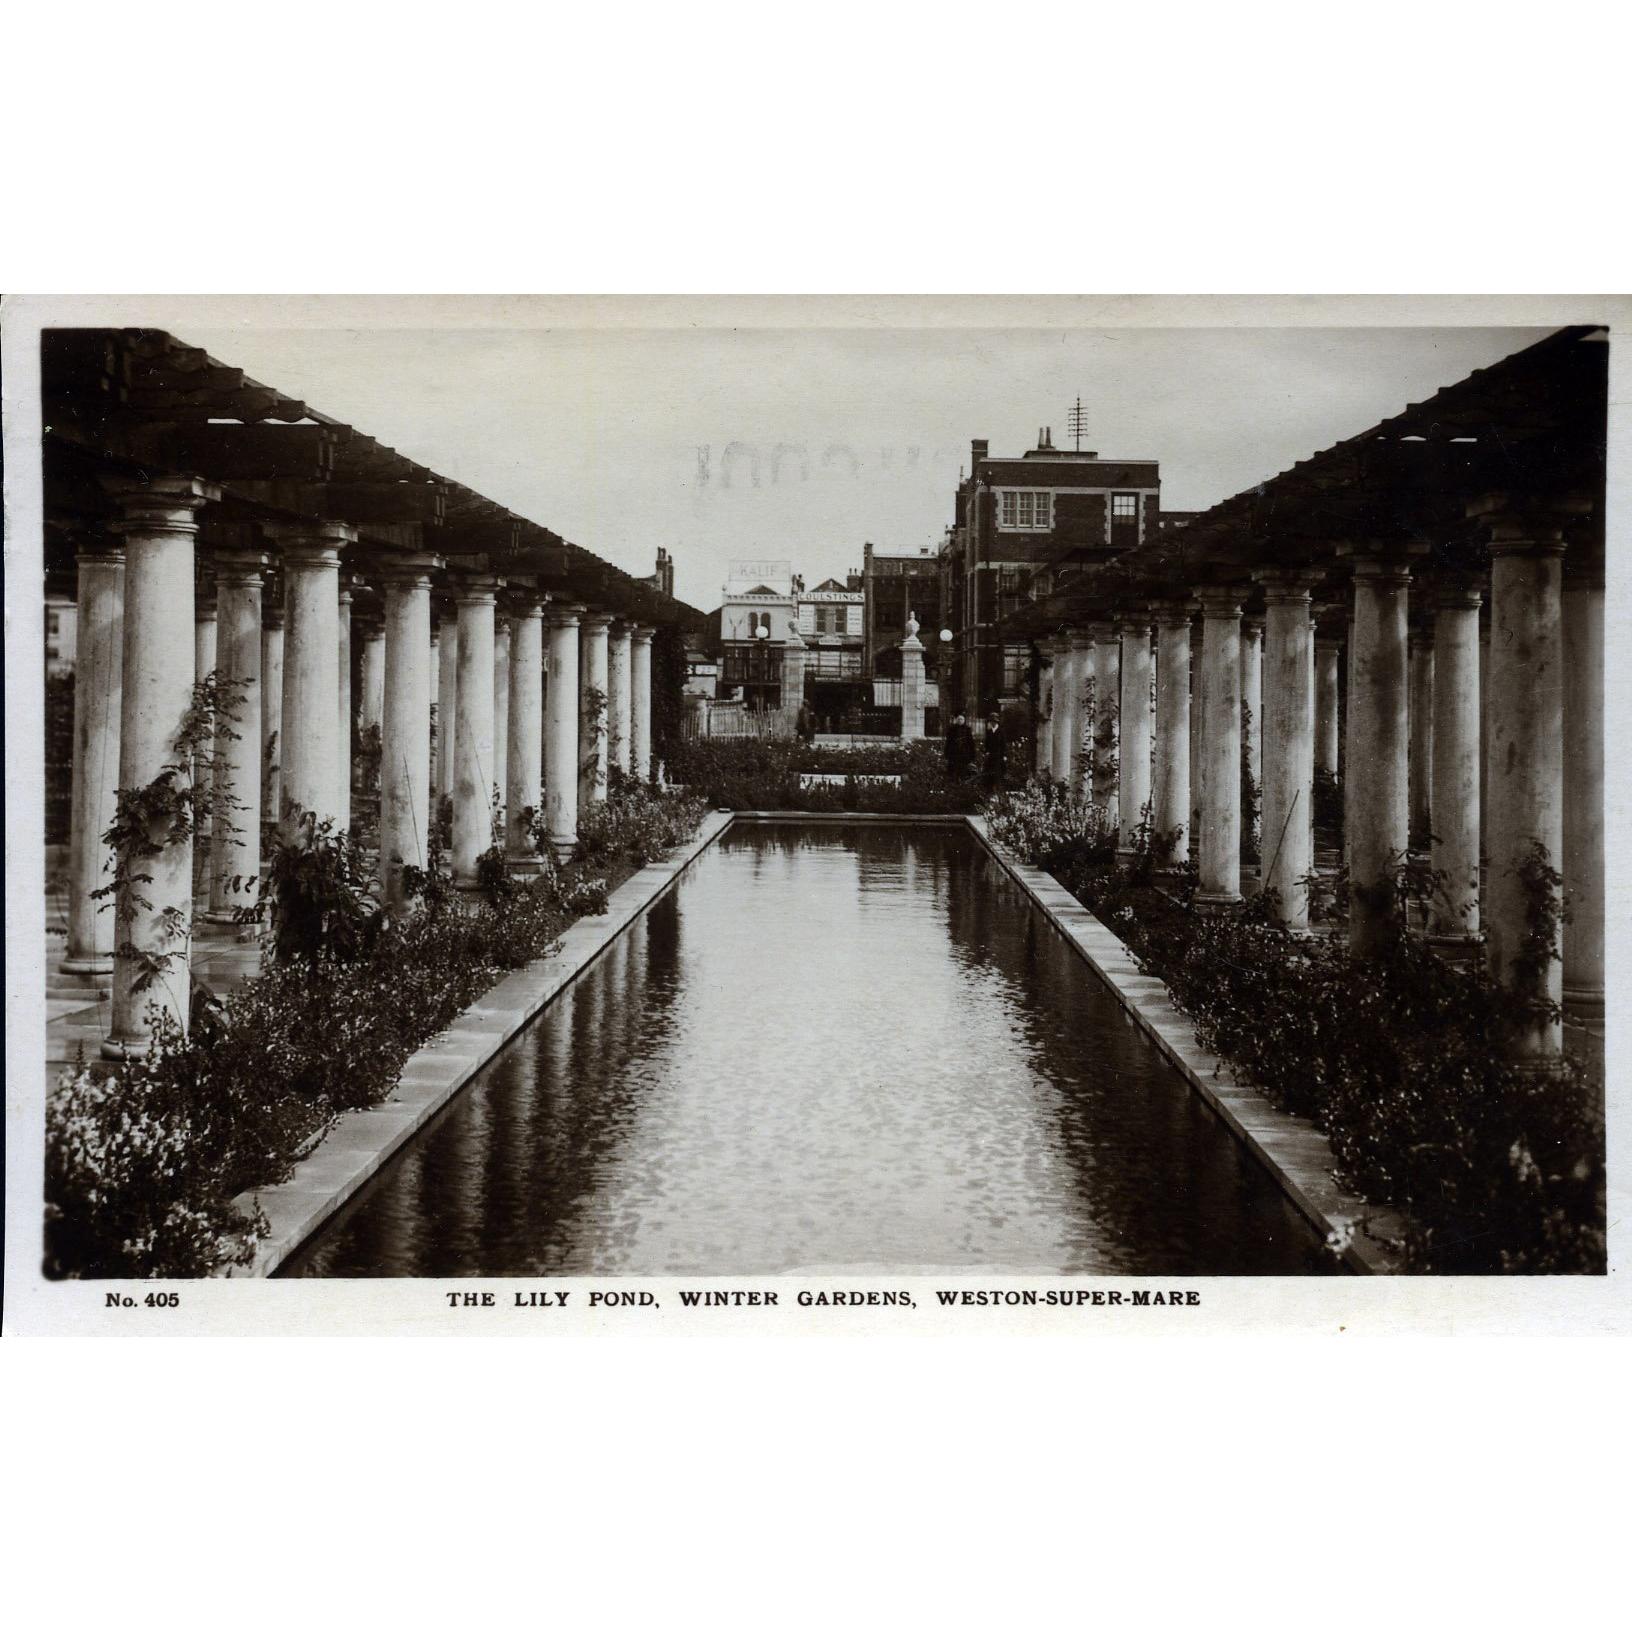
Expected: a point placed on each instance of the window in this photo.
(1022, 510)
(1016, 660)
(830, 620)
(1125, 519)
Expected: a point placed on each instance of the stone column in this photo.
(1484, 732)
(1043, 737)
(1526, 759)
(501, 709)
(617, 697)
(1252, 694)
(1287, 834)
(1220, 803)
(1583, 867)
(640, 701)
(98, 686)
(1134, 710)
(1328, 654)
(1061, 710)
(311, 647)
(912, 683)
(406, 811)
(159, 522)
(447, 702)
(1198, 727)
(794, 655)
(1456, 792)
(1420, 649)
(204, 645)
(1170, 798)
(561, 727)
(473, 758)
(1379, 746)
(1104, 744)
(525, 724)
(373, 673)
(592, 713)
(272, 699)
(235, 841)
(342, 785)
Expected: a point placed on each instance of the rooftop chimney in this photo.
(977, 452)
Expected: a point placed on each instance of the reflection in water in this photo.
(826, 1049)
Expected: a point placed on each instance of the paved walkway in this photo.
(77, 1007)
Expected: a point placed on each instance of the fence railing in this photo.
(736, 720)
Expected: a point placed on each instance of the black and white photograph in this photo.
(658, 808)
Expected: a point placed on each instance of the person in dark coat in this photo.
(997, 753)
(960, 749)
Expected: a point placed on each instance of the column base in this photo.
(133, 1049)
(563, 846)
(87, 966)
(524, 866)
(1580, 1003)
(229, 918)
(1218, 901)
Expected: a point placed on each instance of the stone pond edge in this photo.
(363, 1141)
(1298, 1156)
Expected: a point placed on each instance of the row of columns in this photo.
(1446, 738)
(287, 744)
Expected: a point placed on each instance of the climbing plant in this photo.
(164, 815)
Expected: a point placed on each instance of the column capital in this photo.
(1288, 586)
(1177, 613)
(1382, 571)
(167, 504)
(1252, 623)
(1220, 600)
(641, 633)
(1133, 623)
(477, 591)
(98, 547)
(413, 570)
(594, 622)
(271, 613)
(242, 568)
(311, 543)
(1102, 631)
(563, 614)
(1514, 517)
(1460, 591)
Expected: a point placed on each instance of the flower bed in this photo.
(740, 773)
(1400, 1059)
(143, 1163)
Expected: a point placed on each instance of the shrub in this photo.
(142, 1166)
(745, 773)
(1401, 1058)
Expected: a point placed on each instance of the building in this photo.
(897, 582)
(759, 607)
(832, 624)
(1046, 515)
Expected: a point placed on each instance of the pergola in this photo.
(206, 523)
(1453, 557)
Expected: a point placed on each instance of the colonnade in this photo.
(1471, 753)
(153, 622)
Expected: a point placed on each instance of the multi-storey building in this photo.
(760, 604)
(899, 582)
(1051, 509)
(831, 624)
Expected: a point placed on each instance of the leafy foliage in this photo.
(143, 1166)
(746, 773)
(1403, 1059)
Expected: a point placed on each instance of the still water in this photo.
(826, 1049)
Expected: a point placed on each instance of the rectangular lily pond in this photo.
(831, 1047)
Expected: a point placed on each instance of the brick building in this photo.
(1040, 516)
(897, 582)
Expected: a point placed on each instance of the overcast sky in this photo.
(625, 439)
